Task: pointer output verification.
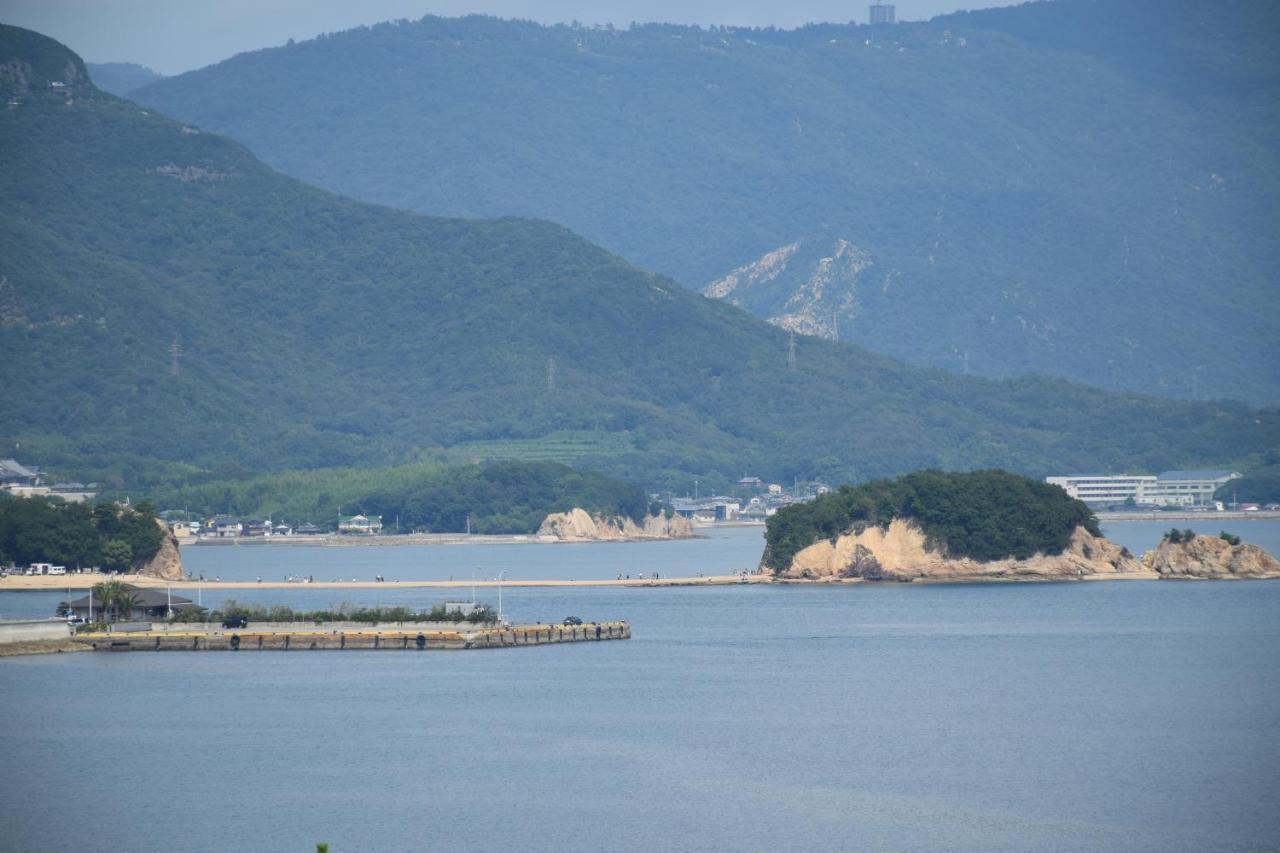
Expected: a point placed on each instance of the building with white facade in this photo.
(1172, 488)
(882, 13)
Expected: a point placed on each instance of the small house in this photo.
(360, 524)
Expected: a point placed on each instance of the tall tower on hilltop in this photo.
(882, 13)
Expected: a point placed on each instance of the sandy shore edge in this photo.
(84, 581)
(18, 583)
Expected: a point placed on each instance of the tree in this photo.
(117, 555)
(106, 595)
(125, 602)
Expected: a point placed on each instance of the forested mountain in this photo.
(169, 303)
(121, 78)
(1080, 188)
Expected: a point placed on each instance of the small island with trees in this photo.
(978, 525)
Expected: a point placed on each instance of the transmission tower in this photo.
(791, 350)
(551, 373)
(175, 356)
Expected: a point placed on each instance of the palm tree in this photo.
(126, 601)
(106, 594)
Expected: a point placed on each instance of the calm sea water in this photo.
(1139, 536)
(716, 551)
(1122, 716)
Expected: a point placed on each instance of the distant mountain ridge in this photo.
(172, 307)
(1078, 188)
(121, 78)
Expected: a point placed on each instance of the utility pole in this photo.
(791, 350)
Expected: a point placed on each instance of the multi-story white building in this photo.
(1104, 489)
(1190, 488)
(882, 13)
(1177, 488)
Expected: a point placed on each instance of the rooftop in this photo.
(146, 598)
(1199, 475)
(11, 468)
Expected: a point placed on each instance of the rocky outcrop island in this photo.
(978, 526)
(578, 525)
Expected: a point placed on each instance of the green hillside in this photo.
(170, 305)
(1077, 188)
(502, 497)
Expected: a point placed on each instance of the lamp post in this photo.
(501, 575)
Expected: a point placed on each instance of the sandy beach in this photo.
(84, 581)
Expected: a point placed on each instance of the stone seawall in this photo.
(34, 630)
(319, 640)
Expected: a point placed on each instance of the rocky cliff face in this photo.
(1210, 557)
(167, 563)
(577, 525)
(809, 287)
(902, 552)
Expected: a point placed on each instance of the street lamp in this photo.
(501, 575)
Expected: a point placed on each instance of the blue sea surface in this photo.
(715, 551)
(1072, 716)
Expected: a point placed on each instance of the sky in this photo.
(172, 36)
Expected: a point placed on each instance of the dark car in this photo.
(235, 622)
(572, 620)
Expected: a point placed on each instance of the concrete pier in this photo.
(316, 639)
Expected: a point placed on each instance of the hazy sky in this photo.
(172, 36)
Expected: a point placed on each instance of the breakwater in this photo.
(312, 638)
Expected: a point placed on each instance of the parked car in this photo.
(235, 622)
(77, 620)
(572, 620)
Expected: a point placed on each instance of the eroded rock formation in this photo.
(577, 525)
(901, 551)
(167, 563)
(1210, 557)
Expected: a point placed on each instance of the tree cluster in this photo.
(482, 615)
(112, 537)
